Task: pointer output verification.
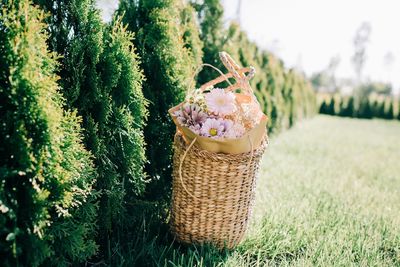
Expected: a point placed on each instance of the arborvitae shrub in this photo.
(101, 78)
(323, 108)
(191, 36)
(381, 109)
(212, 33)
(274, 75)
(75, 29)
(342, 107)
(364, 110)
(389, 110)
(368, 107)
(374, 108)
(122, 135)
(350, 107)
(331, 106)
(46, 175)
(167, 66)
(398, 110)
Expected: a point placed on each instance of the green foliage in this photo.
(347, 107)
(398, 110)
(46, 175)
(101, 78)
(364, 110)
(389, 112)
(374, 106)
(323, 109)
(75, 29)
(191, 37)
(331, 107)
(381, 109)
(121, 133)
(168, 66)
(210, 15)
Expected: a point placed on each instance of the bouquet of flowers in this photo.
(222, 119)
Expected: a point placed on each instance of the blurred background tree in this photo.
(360, 42)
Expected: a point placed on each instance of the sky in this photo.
(307, 33)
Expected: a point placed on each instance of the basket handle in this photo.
(232, 87)
(183, 159)
(223, 77)
(236, 72)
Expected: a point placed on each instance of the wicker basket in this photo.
(212, 193)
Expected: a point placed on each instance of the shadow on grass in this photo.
(148, 243)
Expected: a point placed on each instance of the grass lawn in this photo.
(328, 195)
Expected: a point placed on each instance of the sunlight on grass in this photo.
(328, 195)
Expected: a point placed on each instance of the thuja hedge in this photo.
(373, 106)
(101, 78)
(47, 210)
(170, 50)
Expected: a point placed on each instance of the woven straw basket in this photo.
(212, 198)
(214, 182)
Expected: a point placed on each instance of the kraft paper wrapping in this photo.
(229, 146)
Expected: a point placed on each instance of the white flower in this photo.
(220, 102)
(212, 128)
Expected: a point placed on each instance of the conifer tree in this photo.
(323, 108)
(350, 107)
(101, 78)
(46, 175)
(374, 108)
(167, 66)
(331, 107)
(398, 110)
(191, 36)
(381, 109)
(210, 15)
(342, 107)
(364, 110)
(389, 110)
(121, 134)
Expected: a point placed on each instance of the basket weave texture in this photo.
(212, 200)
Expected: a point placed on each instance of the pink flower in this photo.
(236, 130)
(212, 128)
(220, 102)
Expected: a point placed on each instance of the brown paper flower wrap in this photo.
(253, 137)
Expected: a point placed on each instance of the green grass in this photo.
(328, 195)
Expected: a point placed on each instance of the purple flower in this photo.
(190, 115)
